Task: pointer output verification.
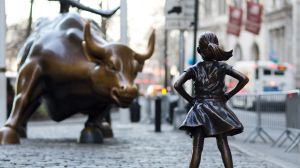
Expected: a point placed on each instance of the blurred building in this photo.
(278, 39)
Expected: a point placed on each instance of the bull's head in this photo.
(116, 67)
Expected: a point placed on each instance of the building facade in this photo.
(277, 41)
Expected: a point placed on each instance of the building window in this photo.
(277, 45)
(222, 7)
(238, 3)
(237, 53)
(280, 4)
(208, 7)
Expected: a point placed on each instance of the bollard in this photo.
(158, 114)
(135, 112)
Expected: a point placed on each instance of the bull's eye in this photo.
(112, 66)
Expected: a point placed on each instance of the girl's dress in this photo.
(210, 112)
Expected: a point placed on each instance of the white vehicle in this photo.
(264, 76)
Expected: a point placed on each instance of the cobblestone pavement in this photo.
(134, 146)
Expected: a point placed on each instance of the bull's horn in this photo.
(150, 50)
(107, 13)
(91, 46)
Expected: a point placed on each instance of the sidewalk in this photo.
(274, 125)
(271, 154)
(134, 146)
(276, 155)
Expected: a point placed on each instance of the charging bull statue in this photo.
(67, 64)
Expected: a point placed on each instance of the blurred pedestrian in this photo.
(209, 115)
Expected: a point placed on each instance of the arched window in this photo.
(237, 53)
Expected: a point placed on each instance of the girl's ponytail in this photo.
(209, 41)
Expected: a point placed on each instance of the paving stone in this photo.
(134, 146)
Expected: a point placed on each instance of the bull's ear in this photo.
(92, 50)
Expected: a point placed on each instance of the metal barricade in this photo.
(244, 107)
(292, 131)
(264, 111)
(270, 112)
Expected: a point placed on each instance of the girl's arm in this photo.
(243, 80)
(179, 86)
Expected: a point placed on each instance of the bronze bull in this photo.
(66, 63)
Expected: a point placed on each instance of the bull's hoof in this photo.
(91, 134)
(9, 136)
(106, 130)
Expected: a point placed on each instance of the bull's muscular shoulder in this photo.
(60, 37)
(69, 25)
(70, 20)
(72, 26)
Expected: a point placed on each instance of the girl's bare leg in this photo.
(225, 151)
(198, 141)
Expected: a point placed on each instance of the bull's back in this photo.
(60, 38)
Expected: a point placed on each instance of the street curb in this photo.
(254, 153)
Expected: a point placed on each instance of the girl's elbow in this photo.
(246, 80)
(176, 85)
(243, 81)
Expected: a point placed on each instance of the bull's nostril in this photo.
(123, 87)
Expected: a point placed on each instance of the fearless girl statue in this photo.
(209, 115)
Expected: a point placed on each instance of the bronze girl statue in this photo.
(209, 115)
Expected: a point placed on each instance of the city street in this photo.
(135, 145)
(59, 58)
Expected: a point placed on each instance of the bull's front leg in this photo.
(28, 93)
(105, 126)
(96, 128)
